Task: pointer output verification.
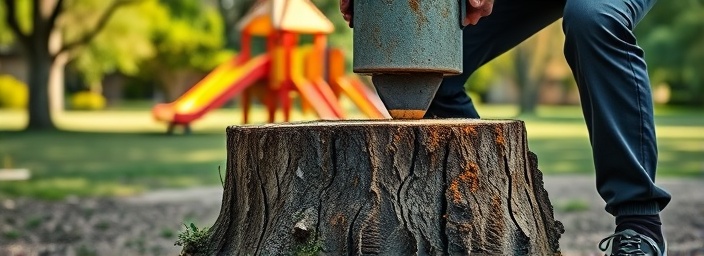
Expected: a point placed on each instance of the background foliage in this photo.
(673, 37)
(157, 36)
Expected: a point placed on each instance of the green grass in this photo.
(83, 164)
(571, 205)
(558, 135)
(12, 234)
(124, 152)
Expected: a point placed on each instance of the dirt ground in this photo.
(148, 224)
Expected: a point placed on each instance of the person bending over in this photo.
(614, 90)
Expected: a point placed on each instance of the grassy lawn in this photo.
(558, 135)
(123, 152)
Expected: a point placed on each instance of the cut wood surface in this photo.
(390, 187)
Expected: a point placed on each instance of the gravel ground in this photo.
(581, 210)
(148, 224)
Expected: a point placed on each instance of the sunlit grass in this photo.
(123, 151)
(130, 119)
(558, 135)
(571, 205)
(71, 163)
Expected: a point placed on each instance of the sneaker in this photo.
(630, 243)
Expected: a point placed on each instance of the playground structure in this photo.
(314, 73)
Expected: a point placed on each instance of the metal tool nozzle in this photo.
(407, 96)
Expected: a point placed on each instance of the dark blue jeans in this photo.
(613, 83)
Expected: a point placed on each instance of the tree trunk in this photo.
(528, 82)
(39, 106)
(382, 187)
(232, 11)
(175, 82)
(532, 60)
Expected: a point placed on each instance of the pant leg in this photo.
(511, 22)
(616, 101)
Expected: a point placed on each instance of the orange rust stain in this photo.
(415, 6)
(338, 219)
(433, 141)
(464, 228)
(496, 220)
(420, 16)
(455, 191)
(500, 136)
(496, 202)
(435, 138)
(469, 130)
(468, 177)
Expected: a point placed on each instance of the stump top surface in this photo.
(381, 122)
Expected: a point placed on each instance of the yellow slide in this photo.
(223, 83)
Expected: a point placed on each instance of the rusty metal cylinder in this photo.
(407, 46)
(408, 36)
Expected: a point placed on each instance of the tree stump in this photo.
(390, 187)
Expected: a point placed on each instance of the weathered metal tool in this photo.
(407, 46)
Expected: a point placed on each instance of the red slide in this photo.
(322, 106)
(362, 96)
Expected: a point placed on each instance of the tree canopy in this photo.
(155, 35)
(36, 26)
(123, 44)
(165, 36)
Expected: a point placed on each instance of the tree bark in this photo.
(40, 117)
(426, 187)
(232, 11)
(40, 62)
(528, 82)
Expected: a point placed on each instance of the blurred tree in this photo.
(232, 11)
(342, 37)
(6, 36)
(170, 42)
(496, 70)
(188, 37)
(122, 46)
(531, 59)
(672, 36)
(36, 26)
